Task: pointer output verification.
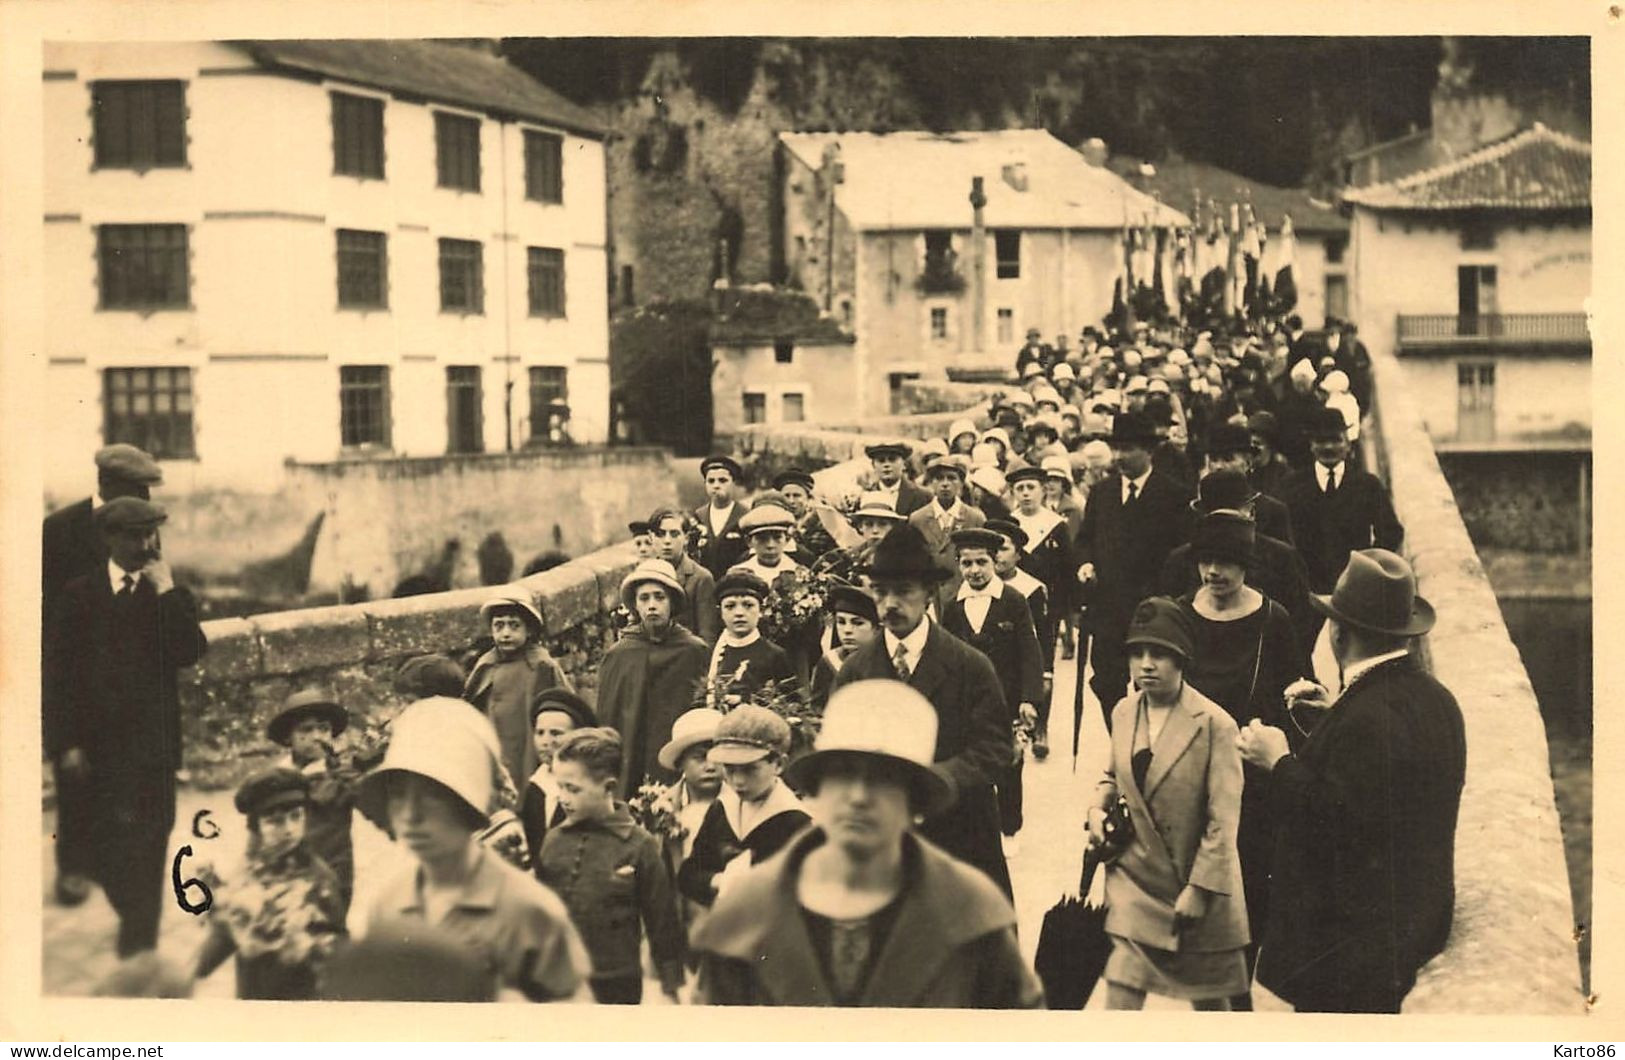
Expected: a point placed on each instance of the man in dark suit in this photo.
(1364, 871)
(1276, 569)
(888, 460)
(992, 616)
(118, 638)
(973, 723)
(722, 542)
(1337, 508)
(1133, 518)
(1230, 448)
(71, 547)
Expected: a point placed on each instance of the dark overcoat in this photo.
(1010, 642)
(1364, 868)
(719, 551)
(1327, 527)
(973, 740)
(1128, 545)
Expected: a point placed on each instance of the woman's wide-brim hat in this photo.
(692, 727)
(307, 703)
(1377, 591)
(652, 570)
(903, 555)
(444, 740)
(516, 599)
(880, 719)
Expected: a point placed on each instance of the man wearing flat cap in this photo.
(888, 460)
(71, 547)
(722, 542)
(118, 637)
(1363, 884)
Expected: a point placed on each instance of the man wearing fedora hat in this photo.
(71, 547)
(1365, 809)
(1336, 507)
(860, 910)
(973, 721)
(888, 459)
(1132, 519)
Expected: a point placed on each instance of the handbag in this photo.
(1118, 828)
(1073, 945)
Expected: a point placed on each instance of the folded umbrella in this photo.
(1073, 945)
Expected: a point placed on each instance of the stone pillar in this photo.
(978, 267)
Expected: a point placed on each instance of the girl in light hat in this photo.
(430, 794)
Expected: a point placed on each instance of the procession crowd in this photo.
(804, 759)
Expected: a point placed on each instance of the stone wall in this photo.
(354, 649)
(389, 519)
(1512, 948)
(1525, 502)
(919, 396)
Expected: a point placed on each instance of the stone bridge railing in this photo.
(1512, 949)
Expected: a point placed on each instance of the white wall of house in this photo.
(820, 375)
(264, 336)
(1533, 395)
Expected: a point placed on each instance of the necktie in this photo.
(1133, 493)
(1331, 480)
(128, 588)
(899, 662)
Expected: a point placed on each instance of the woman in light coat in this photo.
(1175, 910)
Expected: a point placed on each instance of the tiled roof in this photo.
(1176, 181)
(1536, 169)
(444, 73)
(915, 180)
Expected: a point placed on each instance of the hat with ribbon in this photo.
(1377, 591)
(903, 555)
(884, 721)
(977, 537)
(660, 573)
(307, 703)
(1164, 622)
(692, 727)
(876, 505)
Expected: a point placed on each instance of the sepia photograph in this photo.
(1070, 522)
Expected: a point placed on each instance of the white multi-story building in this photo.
(314, 250)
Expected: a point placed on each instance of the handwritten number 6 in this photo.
(200, 819)
(181, 885)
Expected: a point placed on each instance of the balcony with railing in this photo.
(1453, 330)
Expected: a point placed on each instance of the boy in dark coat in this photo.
(283, 913)
(610, 873)
(554, 715)
(506, 680)
(743, 658)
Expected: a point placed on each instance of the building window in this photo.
(457, 151)
(1475, 401)
(465, 422)
(363, 269)
(1478, 235)
(462, 276)
(939, 274)
(546, 266)
(1007, 251)
(784, 352)
(1337, 297)
(549, 405)
(1336, 247)
(364, 406)
(755, 407)
(150, 408)
(139, 124)
(358, 136)
(1007, 325)
(544, 167)
(939, 322)
(143, 266)
(1476, 302)
(794, 408)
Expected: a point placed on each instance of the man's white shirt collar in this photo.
(993, 591)
(913, 644)
(116, 575)
(1321, 471)
(1356, 669)
(1137, 483)
(719, 516)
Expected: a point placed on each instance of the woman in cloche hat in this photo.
(858, 909)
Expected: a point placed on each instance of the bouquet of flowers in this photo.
(621, 619)
(654, 808)
(795, 607)
(783, 698)
(276, 905)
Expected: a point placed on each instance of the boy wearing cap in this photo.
(117, 639)
(768, 530)
(810, 538)
(742, 657)
(555, 714)
(859, 911)
(506, 679)
(755, 813)
(888, 459)
(722, 543)
(282, 912)
(307, 724)
(649, 677)
(855, 623)
(609, 872)
(947, 513)
(429, 794)
(643, 542)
